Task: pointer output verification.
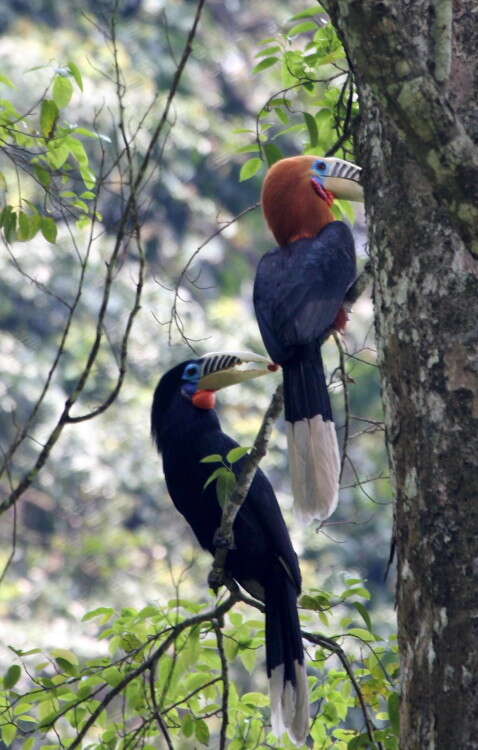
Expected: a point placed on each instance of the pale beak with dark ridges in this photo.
(340, 177)
(221, 369)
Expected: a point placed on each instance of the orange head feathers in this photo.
(298, 191)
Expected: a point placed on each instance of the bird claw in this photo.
(216, 578)
(223, 540)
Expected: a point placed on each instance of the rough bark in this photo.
(416, 66)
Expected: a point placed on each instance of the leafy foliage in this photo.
(224, 475)
(318, 100)
(47, 150)
(172, 673)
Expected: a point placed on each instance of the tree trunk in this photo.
(416, 67)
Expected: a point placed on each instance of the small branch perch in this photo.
(224, 538)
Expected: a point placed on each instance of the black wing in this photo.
(299, 289)
(260, 530)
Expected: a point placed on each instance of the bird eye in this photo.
(190, 372)
(320, 165)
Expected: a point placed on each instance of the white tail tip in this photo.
(314, 466)
(290, 704)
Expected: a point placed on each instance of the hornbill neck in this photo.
(295, 216)
(325, 216)
(180, 422)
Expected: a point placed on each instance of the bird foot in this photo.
(223, 540)
(216, 578)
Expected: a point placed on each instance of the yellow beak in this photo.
(221, 369)
(343, 179)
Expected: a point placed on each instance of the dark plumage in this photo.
(263, 561)
(299, 292)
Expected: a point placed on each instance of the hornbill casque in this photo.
(185, 428)
(299, 294)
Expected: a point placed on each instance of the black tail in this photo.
(313, 449)
(285, 659)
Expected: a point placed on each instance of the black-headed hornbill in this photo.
(299, 293)
(185, 428)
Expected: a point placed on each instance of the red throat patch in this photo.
(204, 399)
(322, 192)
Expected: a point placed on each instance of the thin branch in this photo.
(14, 545)
(220, 611)
(175, 318)
(224, 537)
(225, 685)
(331, 645)
(128, 211)
(157, 713)
(343, 378)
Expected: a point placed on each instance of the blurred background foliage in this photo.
(96, 526)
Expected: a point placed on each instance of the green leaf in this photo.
(24, 226)
(112, 676)
(9, 732)
(62, 91)
(225, 487)
(314, 11)
(66, 654)
(6, 80)
(58, 153)
(77, 149)
(12, 676)
(248, 149)
(272, 152)
(29, 744)
(267, 62)
(43, 175)
(48, 228)
(106, 611)
(268, 51)
(359, 591)
(255, 699)
(249, 169)
(65, 666)
(361, 742)
(394, 712)
(237, 453)
(363, 613)
(301, 28)
(215, 475)
(49, 114)
(187, 726)
(311, 123)
(75, 72)
(364, 635)
(9, 224)
(213, 458)
(248, 658)
(201, 732)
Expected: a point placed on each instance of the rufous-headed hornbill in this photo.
(186, 428)
(299, 294)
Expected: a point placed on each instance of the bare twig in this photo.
(343, 378)
(175, 317)
(14, 545)
(128, 212)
